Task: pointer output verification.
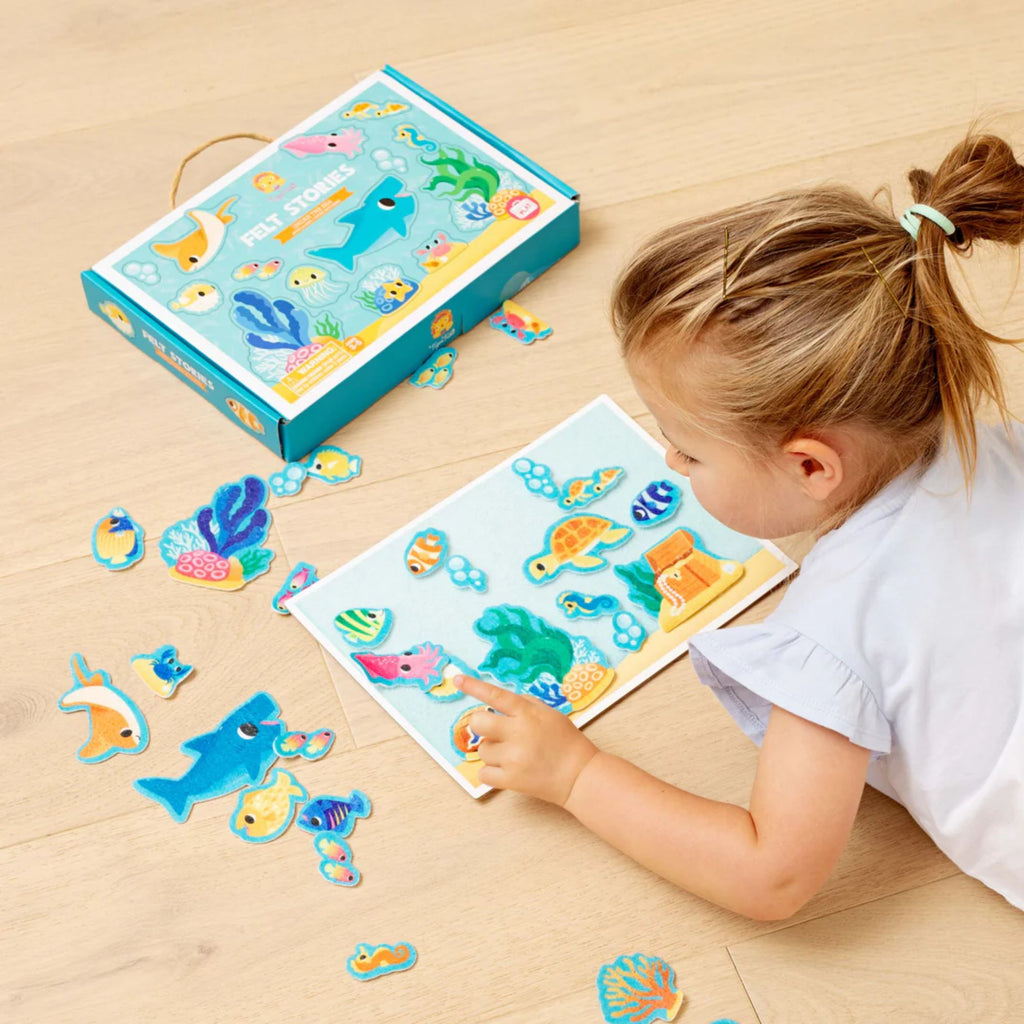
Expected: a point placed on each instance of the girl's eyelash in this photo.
(688, 459)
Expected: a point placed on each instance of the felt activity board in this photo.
(298, 288)
(573, 571)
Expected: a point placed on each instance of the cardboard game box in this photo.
(295, 291)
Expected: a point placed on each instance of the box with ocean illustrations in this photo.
(296, 290)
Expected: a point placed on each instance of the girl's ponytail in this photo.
(979, 186)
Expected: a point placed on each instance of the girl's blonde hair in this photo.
(818, 309)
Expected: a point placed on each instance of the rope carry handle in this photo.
(206, 145)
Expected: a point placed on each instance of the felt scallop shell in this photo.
(638, 989)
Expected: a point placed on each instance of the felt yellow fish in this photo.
(264, 812)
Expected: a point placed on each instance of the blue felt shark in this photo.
(385, 208)
(238, 753)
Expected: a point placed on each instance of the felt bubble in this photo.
(537, 478)
(629, 634)
(463, 575)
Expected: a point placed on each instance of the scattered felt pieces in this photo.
(309, 746)
(629, 635)
(437, 370)
(221, 545)
(335, 814)
(364, 627)
(336, 859)
(162, 671)
(426, 552)
(537, 478)
(574, 543)
(302, 576)
(638, 989)
(657, 502)
(264, 812)
(463, 575)
(517, 323)
(118, 541)
(236, 754)
(582, 490)
(370, 962)
(577, 605)
(116, 725)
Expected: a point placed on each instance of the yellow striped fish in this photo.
(364, 627)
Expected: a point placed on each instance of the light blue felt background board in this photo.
(497, 524)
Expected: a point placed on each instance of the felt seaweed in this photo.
(272, 325)
(523, 646)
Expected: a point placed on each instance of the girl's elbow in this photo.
(778, 899)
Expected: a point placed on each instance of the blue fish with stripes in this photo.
(657, 502)
(334, 813)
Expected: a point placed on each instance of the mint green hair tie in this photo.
(910, 219)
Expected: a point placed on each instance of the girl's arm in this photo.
(764, 863)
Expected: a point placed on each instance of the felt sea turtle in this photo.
(572, 543)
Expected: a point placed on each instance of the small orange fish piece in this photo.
(426, 552)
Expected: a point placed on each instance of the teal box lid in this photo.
(339, 239)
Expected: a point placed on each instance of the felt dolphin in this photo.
(238, 753)
(384, 208)
(116, 725)
(200, 245)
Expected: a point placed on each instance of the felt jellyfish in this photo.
(314, 285)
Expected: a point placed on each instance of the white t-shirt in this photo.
(905, 632)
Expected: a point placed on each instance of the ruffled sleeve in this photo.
(752, 668)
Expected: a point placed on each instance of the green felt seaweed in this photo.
(523, 646)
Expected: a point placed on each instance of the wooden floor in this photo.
(654, 111)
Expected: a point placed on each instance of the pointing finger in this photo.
(499, 699)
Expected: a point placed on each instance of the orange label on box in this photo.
(313, 215)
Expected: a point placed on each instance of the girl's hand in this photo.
(529, 747)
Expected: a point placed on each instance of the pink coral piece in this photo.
(300, 355)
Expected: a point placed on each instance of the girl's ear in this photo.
(814, 465)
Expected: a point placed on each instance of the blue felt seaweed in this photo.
(237, 518)
(272, 325)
